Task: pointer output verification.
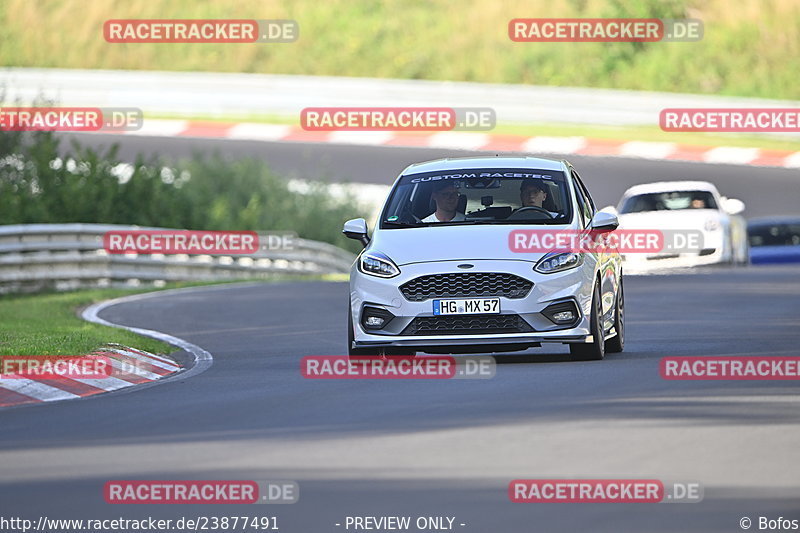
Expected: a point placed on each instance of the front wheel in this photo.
(595, 350)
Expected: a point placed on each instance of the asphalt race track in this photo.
(434, 447)
(443, 447)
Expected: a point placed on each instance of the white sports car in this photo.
(684, 206)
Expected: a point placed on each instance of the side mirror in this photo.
(356, 229)
(732, 206)
(605, 221)
(610, 209)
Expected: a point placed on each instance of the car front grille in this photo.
(466, 285)
(467, 325)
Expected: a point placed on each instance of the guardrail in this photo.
(36, 257)
(241, 96)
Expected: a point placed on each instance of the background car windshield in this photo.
(669, 201)
(489, 196)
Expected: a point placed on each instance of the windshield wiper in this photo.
(552, 221)
(505, 222)
(469, 222)
(388, 224)
(404, 224)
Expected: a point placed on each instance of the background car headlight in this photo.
(377, 264)
(558, 261)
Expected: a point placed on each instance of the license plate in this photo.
(473, 306)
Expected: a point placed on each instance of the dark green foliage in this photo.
(205, 192)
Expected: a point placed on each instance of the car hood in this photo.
(452, 243)
(669, 220)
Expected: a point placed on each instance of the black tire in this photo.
(595, 350)
(617, 343)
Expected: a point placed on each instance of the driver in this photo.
(533, 193)
(446, 197)
(698, 202)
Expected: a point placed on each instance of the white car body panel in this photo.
(447, 249)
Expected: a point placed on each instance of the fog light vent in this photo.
(563, 317)
(375, 318)
(374, 322)
(563, 313)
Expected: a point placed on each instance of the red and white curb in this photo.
(473, 141)
(152, 369)
(131, 367)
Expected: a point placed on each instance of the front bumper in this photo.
(715, 249)
(644, 262)
(574, 285)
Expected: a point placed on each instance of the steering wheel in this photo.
(522, 210)
(407, 217)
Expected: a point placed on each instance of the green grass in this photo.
(48, 324)
(749, 48)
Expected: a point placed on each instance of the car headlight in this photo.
(558, 261)
(712, 224)
(377, 264)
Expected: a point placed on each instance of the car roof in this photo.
(668, 186)
(461, 163)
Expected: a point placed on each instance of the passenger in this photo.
(446, 197)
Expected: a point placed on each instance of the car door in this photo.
(607, 258)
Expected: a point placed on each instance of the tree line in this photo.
(41, 183)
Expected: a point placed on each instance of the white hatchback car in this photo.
(439, 274)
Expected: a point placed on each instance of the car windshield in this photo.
(669, 201)
(478, 196)
(774, 234)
